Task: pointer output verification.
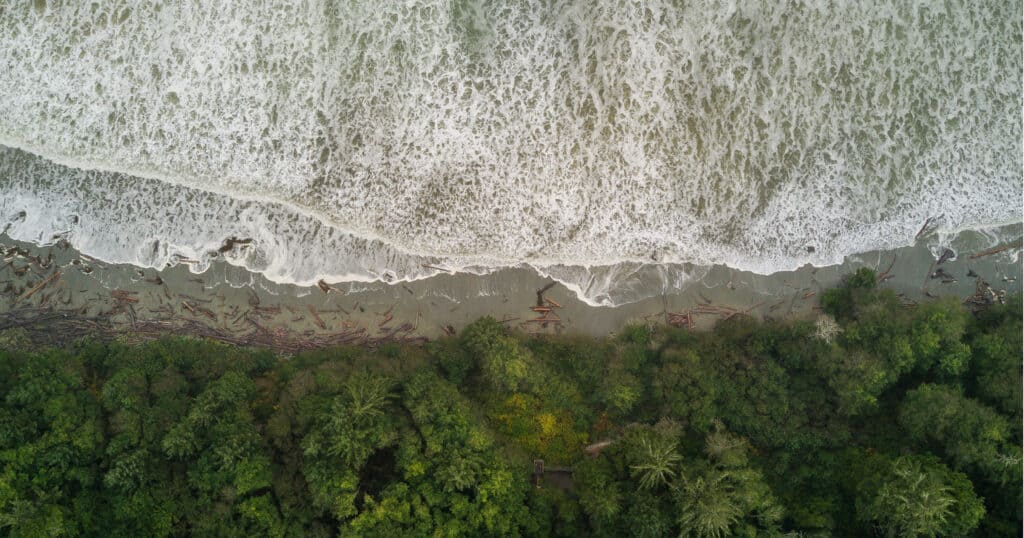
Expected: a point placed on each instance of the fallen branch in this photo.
(37, 287)
(325, 287)
(229, 244)
(924, 228)
(885, 275)
(207, 312)
(996, 250)
(316, 317)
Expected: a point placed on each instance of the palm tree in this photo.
(658, 459)
(707, 507)
(914, 502)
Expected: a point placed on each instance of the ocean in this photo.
(619, 147)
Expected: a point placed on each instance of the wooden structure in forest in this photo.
(559, 477)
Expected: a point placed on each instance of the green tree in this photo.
(936, 338)
(452, 481)
(858, 288)
(996, 362)
(658, 461)
(502, 361)
(347, 429)
(653, 453)
(50, 446)
(599, 492)
(724, 495)
(921, 497)
(456, 362)
(143, 398)
(972, 435)
(708, 504)
(227, 459)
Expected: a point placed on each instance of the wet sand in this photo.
(235, 301)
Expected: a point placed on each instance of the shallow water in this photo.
(617, 149)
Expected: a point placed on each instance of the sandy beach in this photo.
(230, 302)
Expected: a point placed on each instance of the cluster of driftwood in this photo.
(723, 312)
(249, 326)
(26, 293)
(46, 324)
(39, 300)
(984, 296)
(680, 319)
(545, 311)
(686, 319)
(37, 279)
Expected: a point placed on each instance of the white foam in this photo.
(605, 144)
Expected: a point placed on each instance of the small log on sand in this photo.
(37, 287)
(207, 312)
(887, 274)
(316, 317)
(995, 250)
(325, 287)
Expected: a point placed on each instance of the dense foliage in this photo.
(891, 421)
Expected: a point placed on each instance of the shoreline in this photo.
(230, 303)
(331, 251)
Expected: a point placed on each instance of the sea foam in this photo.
(606, 143)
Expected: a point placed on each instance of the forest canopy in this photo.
(875, 419)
